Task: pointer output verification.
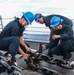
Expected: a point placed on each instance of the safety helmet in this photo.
(37, 17)
(29, 17)
(55, 21)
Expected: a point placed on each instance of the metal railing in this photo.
(1, 24)
(4, 19)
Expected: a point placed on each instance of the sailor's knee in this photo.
(16, 39)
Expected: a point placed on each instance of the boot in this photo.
(67, 56)
(11, 60)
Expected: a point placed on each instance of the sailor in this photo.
(11, 36)
(45, 20)
(62, 40)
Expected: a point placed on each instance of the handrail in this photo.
(1, 19)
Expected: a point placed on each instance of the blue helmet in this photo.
(55, 21)
(37, 17)
(29, 17)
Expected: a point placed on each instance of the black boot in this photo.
(11, 60)
(67, 56)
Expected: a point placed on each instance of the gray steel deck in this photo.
(26, 71)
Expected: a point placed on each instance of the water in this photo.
(10, 8)
(64, 7)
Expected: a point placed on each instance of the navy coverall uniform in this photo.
(9, 37)
(66, 42)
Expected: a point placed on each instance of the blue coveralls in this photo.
(66, 34)
(9, 37)
(66, 22)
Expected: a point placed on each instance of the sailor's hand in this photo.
(43, 46)
(28, 49)
(25, 56)
(55, 37)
